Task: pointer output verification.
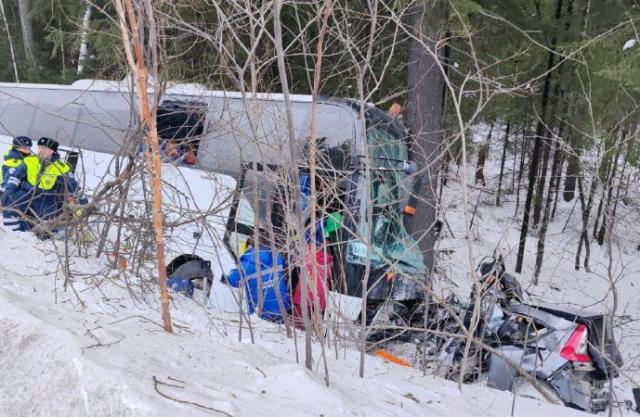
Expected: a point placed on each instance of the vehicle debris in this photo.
(571, 356)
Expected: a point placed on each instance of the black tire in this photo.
(179, 261)
(198, 272)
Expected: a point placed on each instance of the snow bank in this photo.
(101, 359)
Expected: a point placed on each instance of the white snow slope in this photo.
(61, 358)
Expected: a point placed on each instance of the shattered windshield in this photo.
(386, 146)
(390, 241)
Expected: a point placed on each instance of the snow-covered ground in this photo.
(496, 228)
(95, 347)
(91, 350)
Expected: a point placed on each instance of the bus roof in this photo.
(191, 89)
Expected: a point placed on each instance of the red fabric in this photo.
(317, 297)
(190, 158)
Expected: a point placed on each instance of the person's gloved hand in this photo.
(26, 186)
(11, 186)
(6, 199)
(71, 200)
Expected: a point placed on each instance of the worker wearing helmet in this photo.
(20, 149)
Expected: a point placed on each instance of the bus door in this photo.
(256, 215)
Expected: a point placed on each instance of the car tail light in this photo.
(576, 348)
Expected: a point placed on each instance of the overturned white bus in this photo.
(246, 137)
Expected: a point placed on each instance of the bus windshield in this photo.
(387, 149)
(392, 246)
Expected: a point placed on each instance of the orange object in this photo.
(381, 353)
(390, 275)
(119, 259)
(395, 110)
(122, 263)
(190, 157)
(410, 210)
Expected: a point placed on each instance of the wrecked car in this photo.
(567, 357)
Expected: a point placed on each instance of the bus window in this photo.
(180, 125)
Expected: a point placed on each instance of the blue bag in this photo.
(182, 286)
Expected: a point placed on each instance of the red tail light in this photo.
(576, 348)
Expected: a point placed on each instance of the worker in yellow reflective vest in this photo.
(37, 188)
(20, 148)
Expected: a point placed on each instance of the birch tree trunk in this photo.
(310, 324)
(292, 168)
(13, 55)
(82, 56)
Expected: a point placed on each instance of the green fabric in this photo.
(334, 223)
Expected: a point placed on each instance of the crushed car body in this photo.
(570, 356)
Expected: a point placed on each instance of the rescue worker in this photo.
(266, 291)
(16, 193)
(39, 186)
(20, 148)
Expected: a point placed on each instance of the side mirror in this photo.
(409, 167)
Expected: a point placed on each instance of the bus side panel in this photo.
(104, 121)
(95, 120)
(237, 132)
(17, 110)
(256, 131)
